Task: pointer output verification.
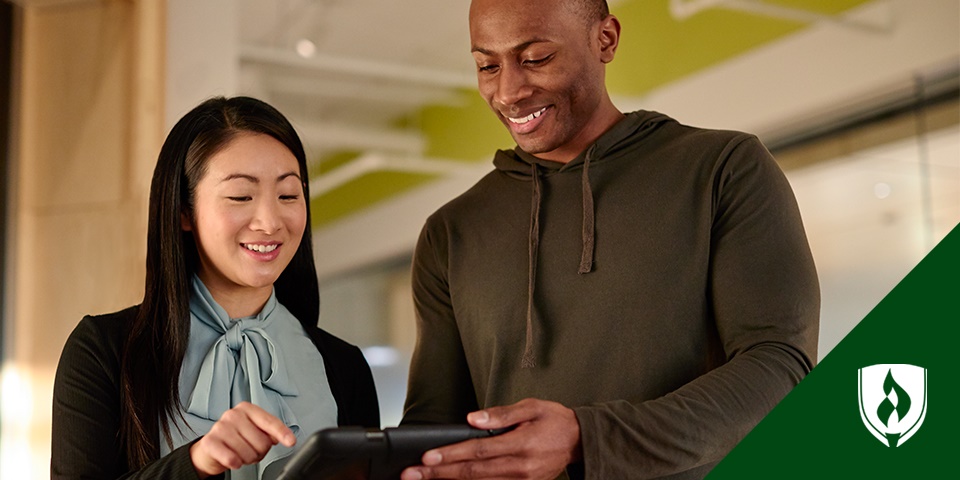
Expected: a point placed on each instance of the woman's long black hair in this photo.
(157, 338)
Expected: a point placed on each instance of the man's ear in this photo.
(185, 224)
(609, 38)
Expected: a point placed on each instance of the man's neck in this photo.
(603, 120)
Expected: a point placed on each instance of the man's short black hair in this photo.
(591, 10)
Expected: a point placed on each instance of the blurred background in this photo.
(859, 100)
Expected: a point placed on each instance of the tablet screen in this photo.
(357, 453)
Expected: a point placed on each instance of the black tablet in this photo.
(357, 453)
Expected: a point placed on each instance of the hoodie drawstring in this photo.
(586, 254)
(529, 360)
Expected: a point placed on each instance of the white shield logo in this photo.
(893, 401)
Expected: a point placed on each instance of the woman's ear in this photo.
(185, 223)
(609, 38)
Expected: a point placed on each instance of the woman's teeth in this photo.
(261, 248)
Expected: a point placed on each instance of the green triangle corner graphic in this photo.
(817, 431)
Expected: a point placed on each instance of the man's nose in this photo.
(512, 89)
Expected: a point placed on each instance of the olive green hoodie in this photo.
(660, 284)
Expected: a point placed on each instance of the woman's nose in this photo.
(266, 217)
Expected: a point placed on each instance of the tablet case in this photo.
(357, 453)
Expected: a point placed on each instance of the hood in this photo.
(517, 163)
(523, 166)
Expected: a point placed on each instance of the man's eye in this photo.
(487, 68)
(535, 61)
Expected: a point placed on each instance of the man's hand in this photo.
(546, 439)
(242, 435)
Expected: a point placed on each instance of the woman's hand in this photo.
(243, 435)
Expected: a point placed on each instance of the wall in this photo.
(88, 127)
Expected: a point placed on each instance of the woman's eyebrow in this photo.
(240, 176)
(288, 174)
(253, 179)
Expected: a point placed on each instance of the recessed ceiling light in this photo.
(882, 190)
(306, 48)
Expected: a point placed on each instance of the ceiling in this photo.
(363, 66)
(383, 91)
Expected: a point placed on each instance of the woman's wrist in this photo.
(201, 472)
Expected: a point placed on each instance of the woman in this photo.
(221, 369)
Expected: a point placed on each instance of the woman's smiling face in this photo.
(249, 215)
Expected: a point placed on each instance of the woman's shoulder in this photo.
(330, 344)
(109, 322)
(350, 377)
(101, 333)
(92, 352)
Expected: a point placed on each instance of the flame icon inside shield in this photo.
(893, 401)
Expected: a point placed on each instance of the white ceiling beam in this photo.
(814, 70)
(325, 63)
(384, 92)
(340, 136)
(374, 162)
(684, 9)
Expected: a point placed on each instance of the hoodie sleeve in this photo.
(765, 300)
(441, 360)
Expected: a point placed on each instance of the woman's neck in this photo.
(239, 302)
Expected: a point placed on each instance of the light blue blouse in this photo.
(266, 359)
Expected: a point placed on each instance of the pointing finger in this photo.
(271, 425)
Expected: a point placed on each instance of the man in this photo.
(630, 295)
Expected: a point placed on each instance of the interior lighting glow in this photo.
(381, 356)
(306, 48)
(882, 190)
(16, 408)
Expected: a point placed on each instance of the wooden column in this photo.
(88, 126)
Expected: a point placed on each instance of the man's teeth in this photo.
(261, 248)
(528, 117)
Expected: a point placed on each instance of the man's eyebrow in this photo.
(518, 48)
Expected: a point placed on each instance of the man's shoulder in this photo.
(473, 199)
(688, 131)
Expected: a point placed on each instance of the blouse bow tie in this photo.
(242, 365)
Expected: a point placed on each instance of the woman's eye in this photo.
(241, 198)
(289, 197)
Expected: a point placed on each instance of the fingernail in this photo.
(479, 417)
(409, 474)
(432, 457)
(289, 439)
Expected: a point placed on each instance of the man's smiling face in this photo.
(541, 70)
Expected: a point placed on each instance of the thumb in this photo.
(502, 417)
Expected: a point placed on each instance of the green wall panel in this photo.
(656, 49)
(467, 132)
(362, 192)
